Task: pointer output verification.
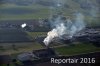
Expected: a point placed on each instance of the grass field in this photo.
(19, 48)
(61, 49)
(6, 48)
(65, 50)
(8, 12)
(36, 34)
(77, 49)
(36, 10)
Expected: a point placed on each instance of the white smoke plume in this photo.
(56, 32)
(23, 25)
(78, 25)
(61, 28)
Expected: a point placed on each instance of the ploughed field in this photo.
(13, 35)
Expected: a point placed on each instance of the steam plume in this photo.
(23, 25)
(63, 27)
(56, 32)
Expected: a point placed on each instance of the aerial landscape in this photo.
(34, 31)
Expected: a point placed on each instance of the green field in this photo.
(42, 11)
(10, 11)
(77, 49)
(65, 50)
(6, 48)
(36, 34)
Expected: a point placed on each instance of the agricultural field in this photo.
(37, 34)
(41, 9)
(15, 40)
(11, 12)
(18, 47)
(77, 49)
(13, 35)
